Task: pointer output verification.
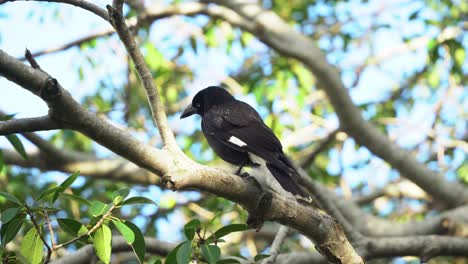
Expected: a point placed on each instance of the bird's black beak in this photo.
(190, 110)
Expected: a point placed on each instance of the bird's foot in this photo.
(246, 176)
(256, 218)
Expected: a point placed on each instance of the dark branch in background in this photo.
(71, 44)
(320, 148)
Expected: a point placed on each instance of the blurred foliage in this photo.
(388, 84)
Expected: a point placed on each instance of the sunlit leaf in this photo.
(119, 195)
(32, 247)
(126, 231)
(102, 243)
(98, 208)
(138, 245)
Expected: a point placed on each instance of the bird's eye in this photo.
(197, 105)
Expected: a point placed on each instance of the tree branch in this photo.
(27, 125)
(156, 106)
(276, 246)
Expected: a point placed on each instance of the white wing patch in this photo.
(237, 141)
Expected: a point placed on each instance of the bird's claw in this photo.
(256, 218)
(247, 177)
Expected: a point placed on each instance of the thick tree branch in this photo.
(277, 34)
(63, 109)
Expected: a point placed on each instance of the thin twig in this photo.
(41, 236)
(321, 147)
(276, 245)
(31, 60)
(157, 108)
(51, 230)
(94, 228)
(76, 42)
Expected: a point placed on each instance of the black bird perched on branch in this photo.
(237, 134)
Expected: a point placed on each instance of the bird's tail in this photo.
(285, 176)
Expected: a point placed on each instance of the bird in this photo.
(237, 134)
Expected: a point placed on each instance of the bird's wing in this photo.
(240, 127)
(243, 127)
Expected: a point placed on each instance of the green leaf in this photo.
(48, 192)
(9, 230)
(75, 198)
(191, 227)
(16, 142)
(211, 253)
(98, 208)
(119, 195)
(260, 257)
(72, 227)
(157, 261)
(184, 254)
(69, 181)
(138, 200)
(138, 246)
(32, 247)
(102, 243)
(171, 258)
(9, 214)
(226, 230)
(126, 232)
(10, 198)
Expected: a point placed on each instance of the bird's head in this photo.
(205, 99)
